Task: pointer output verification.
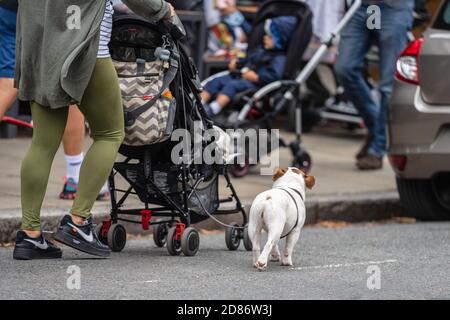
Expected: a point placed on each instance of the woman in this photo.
(61, 61)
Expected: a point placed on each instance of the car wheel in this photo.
(422, 199)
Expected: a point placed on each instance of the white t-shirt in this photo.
(105, 31)
(326, 16)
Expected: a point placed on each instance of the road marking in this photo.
(146, 281)
(346, 265)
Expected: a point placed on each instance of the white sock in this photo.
(73, 165)
(215, 107)
(105, 188)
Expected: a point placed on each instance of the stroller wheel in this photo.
(190, 242)
(160, 232)
(303, 161)
(240, 170)
(173, 245)
(117, 237)
(248, 245)
(233, 237)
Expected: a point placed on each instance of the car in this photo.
(419, 122)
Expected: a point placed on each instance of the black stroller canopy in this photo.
(300, 38)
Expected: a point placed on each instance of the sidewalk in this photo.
(341, 192)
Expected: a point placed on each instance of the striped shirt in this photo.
(105, 31)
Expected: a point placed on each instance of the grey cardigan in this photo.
(55, 58)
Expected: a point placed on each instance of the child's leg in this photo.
(223, 100)
(230, 90)
(206, 96)
(49, 125)
(73, 140)
(102, 107)
(213, 87)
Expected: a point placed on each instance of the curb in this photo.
(349, 208)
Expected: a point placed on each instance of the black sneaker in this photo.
(28, 248)
(82, 238)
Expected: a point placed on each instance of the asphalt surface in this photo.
(413, 260)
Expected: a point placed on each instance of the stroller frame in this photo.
(290, 87)
(170, 196)
(182, 211)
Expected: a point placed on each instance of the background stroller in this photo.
(260, 108)
(185, 193)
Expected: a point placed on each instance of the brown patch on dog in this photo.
(269, 198)
(279, 172)
(310, 181)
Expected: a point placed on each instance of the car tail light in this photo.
(408, 63)
(398, 162)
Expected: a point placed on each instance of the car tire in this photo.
(420, 200)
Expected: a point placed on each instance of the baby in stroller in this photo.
(263, 65)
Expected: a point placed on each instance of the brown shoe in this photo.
(369, 162)
(363, 151)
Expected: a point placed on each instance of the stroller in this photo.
(160, 89)
(259, 109)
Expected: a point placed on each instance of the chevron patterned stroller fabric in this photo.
(146, 66)
(139, 84)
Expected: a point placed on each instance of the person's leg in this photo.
(392, 39)
(74, 133)
(48, 130)
(102, 107)
(355, 42)
(73, 141)
(8, 94)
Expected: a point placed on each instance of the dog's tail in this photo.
(262, 208)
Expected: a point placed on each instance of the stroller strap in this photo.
(131, 116)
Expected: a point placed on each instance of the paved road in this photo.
(413, 259)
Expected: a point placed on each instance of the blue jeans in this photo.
(7, 43)
(356, 40)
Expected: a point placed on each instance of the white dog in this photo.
(281, 212)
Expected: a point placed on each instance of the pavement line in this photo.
(346, 265)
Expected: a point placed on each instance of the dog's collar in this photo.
(296, 206)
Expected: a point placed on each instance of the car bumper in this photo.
(419, 132)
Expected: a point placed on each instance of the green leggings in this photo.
(102, 108)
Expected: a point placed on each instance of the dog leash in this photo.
(296, 206)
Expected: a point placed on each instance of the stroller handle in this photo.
(174, 26)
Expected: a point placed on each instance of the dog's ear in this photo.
(310, 181)
(279, 172)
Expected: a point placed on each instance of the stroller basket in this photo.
(203, 196)
(161, 178)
